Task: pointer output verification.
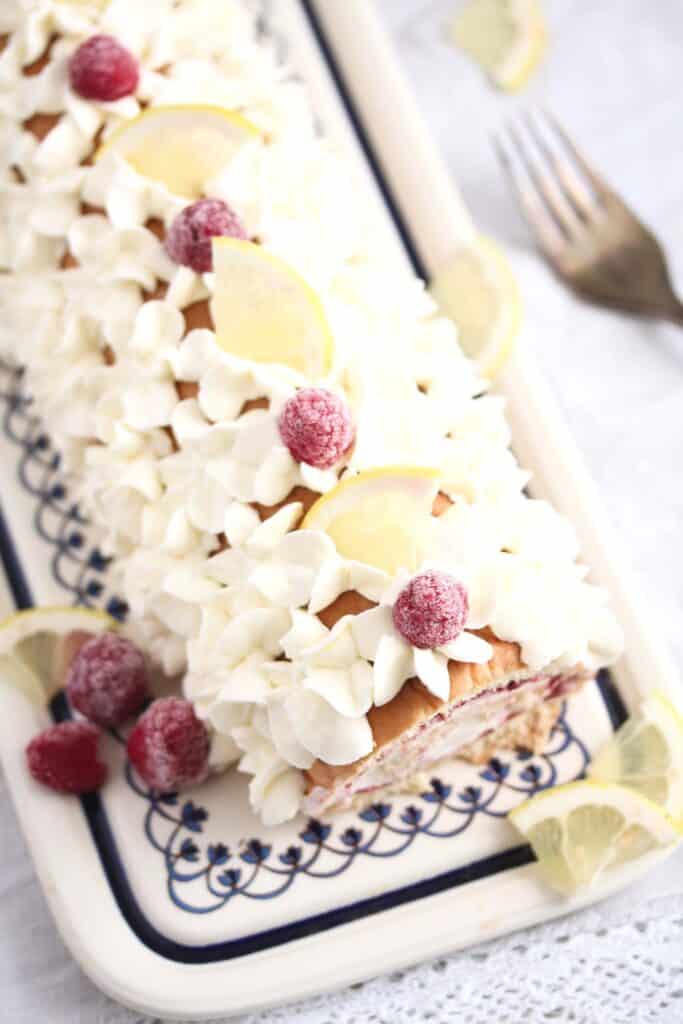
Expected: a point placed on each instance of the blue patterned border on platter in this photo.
(77, 566)
(255, 870)
(204, 876)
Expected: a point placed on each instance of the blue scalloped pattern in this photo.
(204, 875)
(78, 567)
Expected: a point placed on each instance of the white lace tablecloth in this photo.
(612, 74)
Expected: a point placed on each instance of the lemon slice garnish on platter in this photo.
(265, 311)
(37, 645)
(378, 517)
(584, 830)
(646, 754)
(181, 146)
(478, 291)
(508, 38)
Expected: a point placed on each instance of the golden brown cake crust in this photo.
(415, 703)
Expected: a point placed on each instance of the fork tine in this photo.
(576, 191)
(598, 184)
(547, 186)
(539, 221)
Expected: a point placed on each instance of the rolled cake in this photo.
(197, 460)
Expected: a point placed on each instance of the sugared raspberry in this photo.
(102, 69)
(189, 237)
(169, 746)
(107, 679)
(64, 757)
(316, 426)
(431, 610)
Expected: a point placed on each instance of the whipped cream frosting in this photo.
(273, 583)
(178, 476)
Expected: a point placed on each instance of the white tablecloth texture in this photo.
(613, 75)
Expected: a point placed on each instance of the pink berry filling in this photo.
(169, 746)
(316, 427)
(102, 69)
(431, 610)
(107, 679)
(189, 238)
(64, 757)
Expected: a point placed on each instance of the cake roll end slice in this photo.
(495, 706)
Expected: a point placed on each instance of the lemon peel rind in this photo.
(127, 127)
(28, 615)
(496, 270)
(326, 348)
(350, 483)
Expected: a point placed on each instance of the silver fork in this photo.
(586, 232)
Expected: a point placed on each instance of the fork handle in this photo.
(674, 314)
(671, 311)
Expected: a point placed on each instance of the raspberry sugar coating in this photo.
(189, 237)
(64, 757)
(316, 427)
(431, 610)
(107, 679)
(169, 746)
(102, 69)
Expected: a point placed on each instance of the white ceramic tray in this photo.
(188, 908)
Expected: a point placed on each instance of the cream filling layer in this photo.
(442, 735)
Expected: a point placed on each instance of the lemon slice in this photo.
(36, 647)
(478, 291)
(646, 754)
(264, 311)
(378, 517)
(583, 829)
(506, 37)
(181, 146)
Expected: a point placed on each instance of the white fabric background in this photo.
(613, 75)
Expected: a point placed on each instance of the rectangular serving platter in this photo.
(188, 908)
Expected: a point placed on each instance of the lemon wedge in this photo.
(378, 517)
(646, 754)
(478, 291)
(37, 645)
(181, 146)
(263, 310)
(506, 37)
(585, 829)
